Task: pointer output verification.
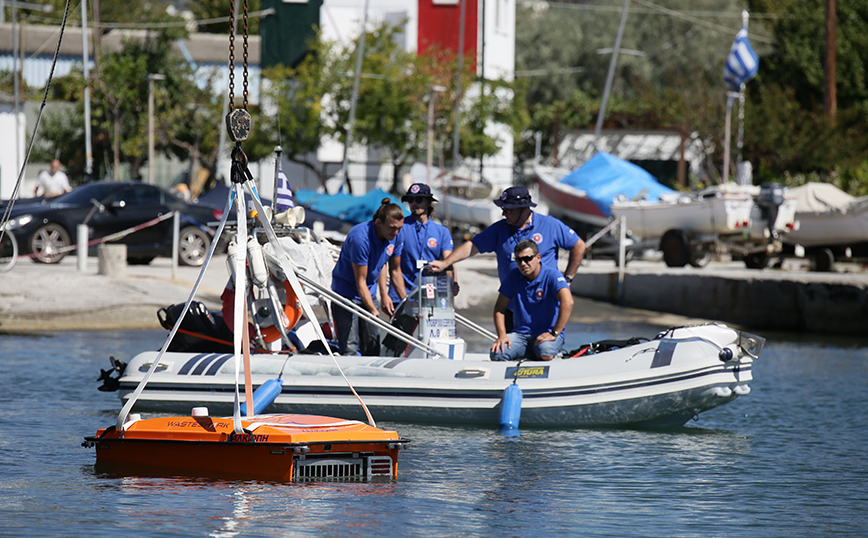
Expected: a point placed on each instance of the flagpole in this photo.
(726, 137)
(277, 150)
(741, 65)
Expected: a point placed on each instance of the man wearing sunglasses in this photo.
(421, 238)
(541, 302)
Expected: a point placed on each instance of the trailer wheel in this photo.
(675, 248)
(824, 260)
(756, 260)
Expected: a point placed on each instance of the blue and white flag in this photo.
(742, 62)
(284, 194)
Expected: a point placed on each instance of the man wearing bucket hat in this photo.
(422, 239)
(521, 222)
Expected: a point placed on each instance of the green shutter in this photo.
(287, 32)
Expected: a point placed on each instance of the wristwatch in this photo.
(554, 333)
(569, 279)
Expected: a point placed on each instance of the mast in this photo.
(88, 151)
(611, 74)
(360, 53)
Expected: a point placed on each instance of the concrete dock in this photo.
(36, 297)
(790, 298)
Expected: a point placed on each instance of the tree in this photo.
(207, 10)
(791, 135)
(293, 113)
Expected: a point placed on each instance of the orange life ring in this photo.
(270, 333)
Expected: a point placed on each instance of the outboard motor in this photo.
(770, 198)
(428, 314)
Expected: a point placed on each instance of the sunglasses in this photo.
(416, 199)
(524, 259)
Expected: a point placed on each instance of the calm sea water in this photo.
(786, 460)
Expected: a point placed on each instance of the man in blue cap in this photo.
(521, 222)
(421, 238)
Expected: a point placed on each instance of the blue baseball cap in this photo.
(514, 197)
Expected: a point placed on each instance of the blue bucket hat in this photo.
(514, 197)
(418, 189)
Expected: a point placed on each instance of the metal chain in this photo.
(232, 55)
(245, 54)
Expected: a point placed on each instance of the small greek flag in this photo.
(284, 194)
(742, 62)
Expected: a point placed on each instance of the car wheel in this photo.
(8, 251)
(47, 241)
(193, 246)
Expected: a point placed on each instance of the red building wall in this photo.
(439, 24)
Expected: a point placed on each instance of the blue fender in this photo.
(264, 396)
(510, 407)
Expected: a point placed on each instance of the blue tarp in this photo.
(346, 207)
(605, 176)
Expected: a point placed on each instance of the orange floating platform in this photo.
(273, 447)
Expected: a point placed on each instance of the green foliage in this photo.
(216, 9)
(111, 12)
(186, 117)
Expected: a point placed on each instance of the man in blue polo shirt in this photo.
(420, 237)
(521, 222)
(368, 248)
(541, 302)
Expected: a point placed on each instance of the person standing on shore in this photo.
(368, 248)
(541, 302)
(52, 182)
(422, 239)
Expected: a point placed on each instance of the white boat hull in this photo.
(662, 382)
(822, 228)
(725, 215)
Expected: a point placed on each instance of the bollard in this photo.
(112, 260)
(81, 240)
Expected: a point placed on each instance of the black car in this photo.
(107, 207)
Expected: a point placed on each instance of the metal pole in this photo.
(360, 53)
(456, 158)
(430, 161)
(726, 137)
(622, 256)
(611, 74)
(277, 150)
(151, 78)
(88, 151)
(15, 71)
(176, 240)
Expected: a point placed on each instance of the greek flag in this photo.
(742, 62)
(284, 194)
